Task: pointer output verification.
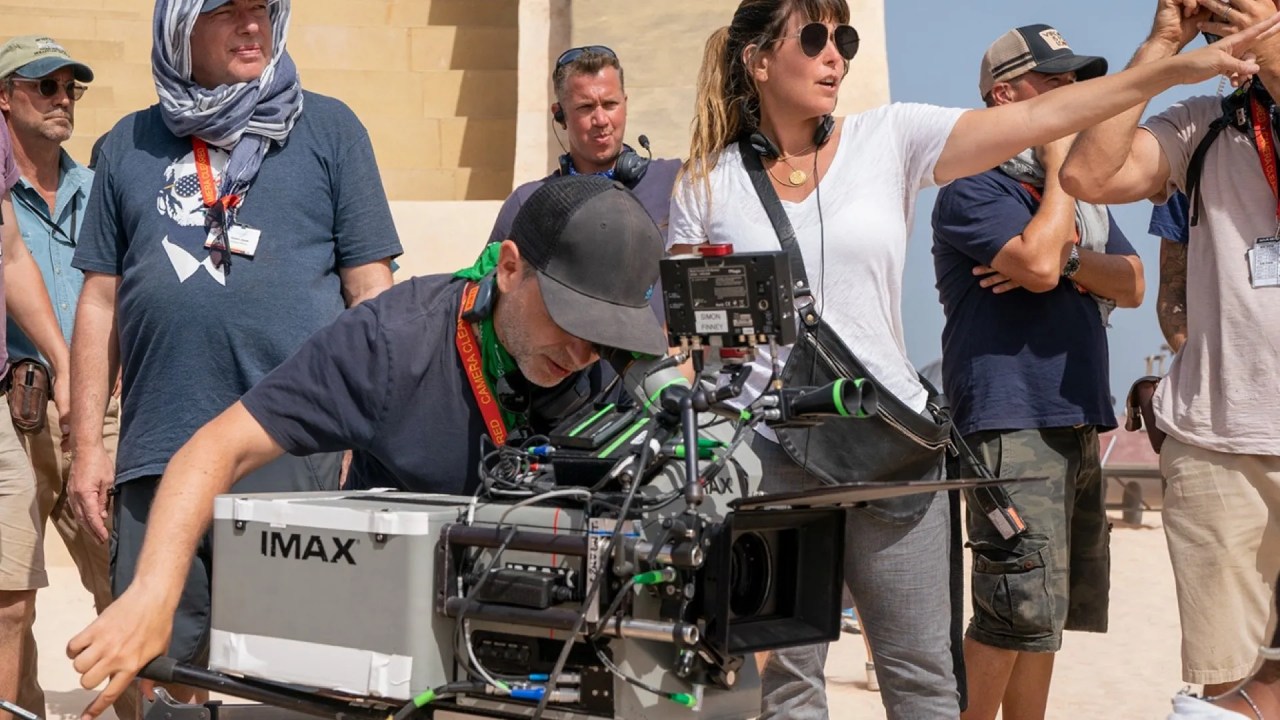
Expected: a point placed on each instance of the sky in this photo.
(934, 48)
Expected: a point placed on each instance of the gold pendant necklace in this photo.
(797, 177)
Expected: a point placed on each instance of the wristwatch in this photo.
(1073, 262)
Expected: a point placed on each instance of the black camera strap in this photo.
(777, 216)
(994, 502)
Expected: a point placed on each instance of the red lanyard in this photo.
(204, 171)
(469, 353)
(1035, 193)
(1265, 141)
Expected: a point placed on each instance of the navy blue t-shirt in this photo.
(1017, 360)
(385, 380)
(194, 338)
(1169, 221)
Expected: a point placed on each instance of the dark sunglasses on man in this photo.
(48, 87)
(814, 37)
(572, 54)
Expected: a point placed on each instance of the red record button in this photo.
(715, 250)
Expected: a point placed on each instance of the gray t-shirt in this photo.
(1221, 388)
(195, 337)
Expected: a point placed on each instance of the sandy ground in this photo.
(1131, 672)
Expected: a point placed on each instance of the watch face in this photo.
(1073, 262)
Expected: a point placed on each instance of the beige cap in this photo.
(1037, 48)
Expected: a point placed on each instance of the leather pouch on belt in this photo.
(28, 384)
(1139, 412)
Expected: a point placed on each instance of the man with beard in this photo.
(411, 383)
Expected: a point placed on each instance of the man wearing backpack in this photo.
(1221, 459)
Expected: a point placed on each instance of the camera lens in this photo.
(750, 575)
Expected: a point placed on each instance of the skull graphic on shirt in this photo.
(180, 198)
(182, 202)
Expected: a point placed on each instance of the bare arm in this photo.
(982, 139)
(95, 351)
(1116, 277)
(1114, 161)
(363, 282)
(1171, 300)
(1034, 259)
(27, 302)
(136, 627)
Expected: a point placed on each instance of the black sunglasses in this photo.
(814, 37)
(572, 54)
(48, 87)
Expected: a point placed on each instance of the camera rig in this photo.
(625, 565)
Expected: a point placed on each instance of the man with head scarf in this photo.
(227, 224)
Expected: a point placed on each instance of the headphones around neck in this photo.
(629, 167)
(768, 149)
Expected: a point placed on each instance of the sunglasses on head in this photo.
(814, 37)
(48, 87)
(572, 54)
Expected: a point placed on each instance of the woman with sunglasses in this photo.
(848, 188)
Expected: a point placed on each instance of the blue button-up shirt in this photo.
(51, 237)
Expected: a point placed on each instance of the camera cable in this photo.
(594, 589)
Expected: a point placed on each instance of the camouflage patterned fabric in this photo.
(1057, 575)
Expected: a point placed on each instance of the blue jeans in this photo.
(899, 574)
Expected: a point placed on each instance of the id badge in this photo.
(242, 239)
(1264, 262)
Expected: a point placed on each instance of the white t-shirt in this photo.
(1221, 390)
(854, 245)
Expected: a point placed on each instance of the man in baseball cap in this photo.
(1020, 263)
(559, 237)
(410, 381)
(34, 57)
(1033, 48)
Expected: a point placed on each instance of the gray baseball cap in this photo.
(596, 251)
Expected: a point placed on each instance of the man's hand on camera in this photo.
(130, 632)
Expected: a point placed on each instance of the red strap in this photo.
(1265, 141)
(473, 365)
(1035, 193)
(204, 171)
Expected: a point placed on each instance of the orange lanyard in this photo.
(473, 366)
(1265, 141)
(204, 171)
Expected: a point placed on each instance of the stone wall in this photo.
(434, 80)
(456, 93)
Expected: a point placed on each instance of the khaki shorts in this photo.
(21, 549)
(1222, 523)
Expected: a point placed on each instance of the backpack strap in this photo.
(1235, 113)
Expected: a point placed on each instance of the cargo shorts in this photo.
(1057, 575)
